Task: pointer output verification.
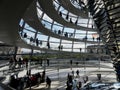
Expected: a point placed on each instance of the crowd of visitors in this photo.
(74, 83)
(17, 63)
(29, 80)
(60, 47)
(32, 40)
(66, 34)
(68, 18)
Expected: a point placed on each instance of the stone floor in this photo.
(59, 76)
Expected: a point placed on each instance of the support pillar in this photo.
(117, 70)
(29, 63)
(15, 52)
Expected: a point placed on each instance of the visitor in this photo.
(59, 47)
(73, 73)
(77, 72)
(70, 62)
(28, 72)
(74, 85)
(76, 22)
(48, 45)
(40, 42)
(31, 39)
(59, 32)
(79, 85)
(37, 42)
(20, 63)
(43, 77)
(66, 34)
(48, 82)
(60, 13)
(38, 75)
(85, 79)
(67, 16)
(25, 35)
(47, 62)
(71, 20)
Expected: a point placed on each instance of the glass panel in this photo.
(39, 12)
(29, 27)
(42, 37)
(25, 50)
(83, 22)
(58, 24)
(21, 22)
(67, 49)
(54, 46)
(52, 39)
(80, 34)
(29, 34)
(46, 24)
(67, 42)
(56, 4)
(69, 30)
(67, 45)
(77, 46)
(56, 28)
(43, 45)
(47, 18)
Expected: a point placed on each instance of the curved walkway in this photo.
(67, 5)
(49, 9)
(32, 19)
